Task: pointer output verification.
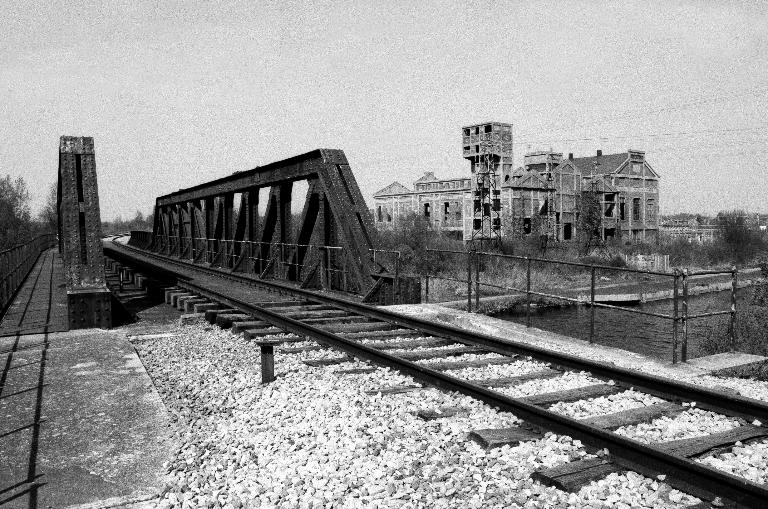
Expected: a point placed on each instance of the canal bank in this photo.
(705, 369)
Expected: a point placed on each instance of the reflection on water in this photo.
(647, 335)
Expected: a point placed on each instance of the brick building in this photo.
(541, 197)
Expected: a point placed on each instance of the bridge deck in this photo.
(80, 420)
(41, 304)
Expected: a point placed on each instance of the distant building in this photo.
(541, 197)
(441, 202)
(690, 230)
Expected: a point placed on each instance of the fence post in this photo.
(397, 279)
(675, 318)
(528, 293)
(469, 281)
(477, 280)
(426, 288)
(734, 281)
(592, 306)
(684, 348)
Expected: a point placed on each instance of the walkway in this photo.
(41, 303)
(80, 420)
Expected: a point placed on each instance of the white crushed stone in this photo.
(393, 339)
(629, 490)
(557, 343)
(689, 424)
(568, 380)
(516, 368)
(464, 358)
(744, 460)
(605, 404)
(246, 445)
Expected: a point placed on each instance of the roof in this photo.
(392, 189)
(607, 163)
(530, 181)
(428, 177)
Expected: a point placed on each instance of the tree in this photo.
(49, 215)
(15, 223)
(590, 217)
(743, 242)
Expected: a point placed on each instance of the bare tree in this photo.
(15, 222)
(49, 215)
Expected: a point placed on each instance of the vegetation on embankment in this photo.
(737, 244)
(751, 329)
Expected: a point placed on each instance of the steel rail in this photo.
(649, 460)
(728, 404)
(684, 474)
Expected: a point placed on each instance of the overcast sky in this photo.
(177, 93)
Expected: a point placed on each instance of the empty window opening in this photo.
(622, 210)
(527, 225)
(488, 128)
(650, 210)
(378, 213)
(567, 231)
(426, 210)
(446, 210)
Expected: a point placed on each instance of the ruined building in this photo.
(544, 196)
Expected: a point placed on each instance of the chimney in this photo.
(599, 153)
(570, 156)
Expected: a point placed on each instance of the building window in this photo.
(636, 209)
(378, 213)
(527, 225)
(426, 210)
(567, 231)
(650, 211)
(622, 212)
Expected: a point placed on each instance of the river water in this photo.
(650, 336)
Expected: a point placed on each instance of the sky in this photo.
(179, 93)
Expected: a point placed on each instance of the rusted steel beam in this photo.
(88, 299)
(335, 218)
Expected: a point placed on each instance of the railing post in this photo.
(734, 285)
(426, 288)
(684, 348)
(477, 281)
(528, 293)
(469, 281)
(675, 317)
(397, 279)
(592, 306)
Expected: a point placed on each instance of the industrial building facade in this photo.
(544, 196)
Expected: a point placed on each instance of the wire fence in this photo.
(483, 273)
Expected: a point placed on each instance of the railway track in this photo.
(415, 348)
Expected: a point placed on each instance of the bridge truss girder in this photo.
(330, 246)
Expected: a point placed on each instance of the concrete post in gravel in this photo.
(267, 360)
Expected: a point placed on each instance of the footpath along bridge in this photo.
(281, 280)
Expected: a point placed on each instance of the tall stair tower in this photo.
(488, 147)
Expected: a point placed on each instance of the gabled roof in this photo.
(392, 189)
(530, 181)
(607, 163)
(428, 177)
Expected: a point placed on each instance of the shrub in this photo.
(751, 328)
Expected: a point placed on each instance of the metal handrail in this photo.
(679, 318)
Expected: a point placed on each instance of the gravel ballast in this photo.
(314, 438)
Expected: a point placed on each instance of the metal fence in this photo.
(679, 281)
(15, 264)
